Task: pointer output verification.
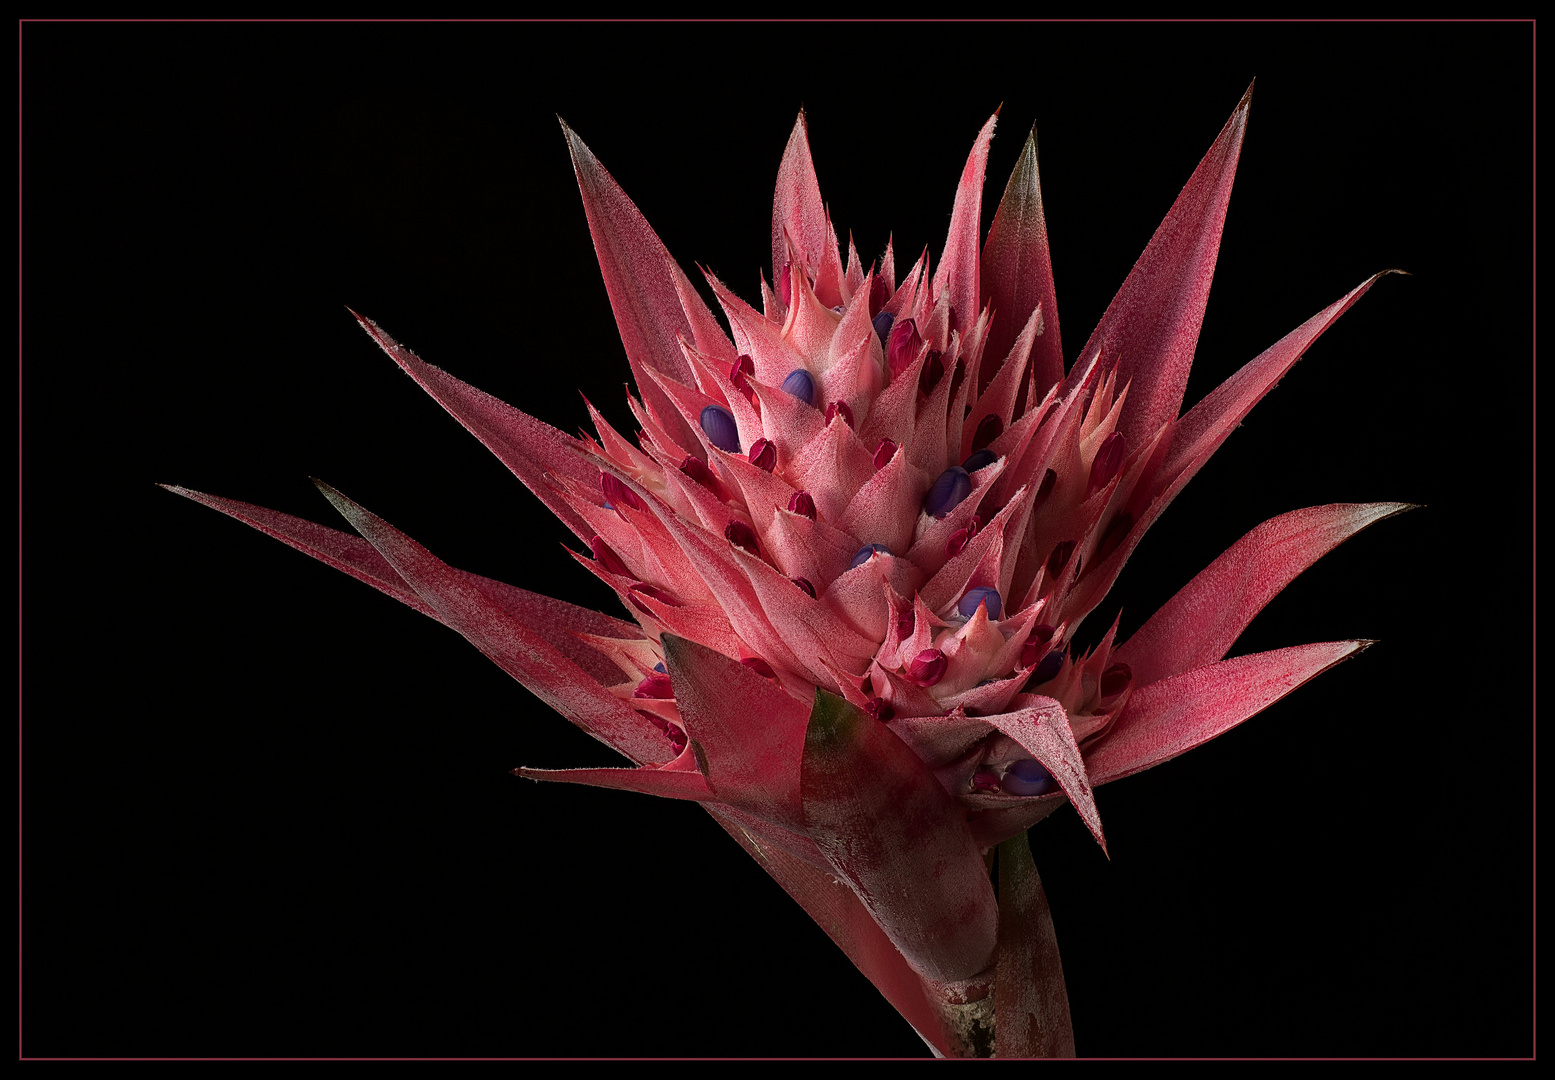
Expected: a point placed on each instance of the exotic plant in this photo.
(855, 536)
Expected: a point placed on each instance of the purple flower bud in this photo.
(902, 347)
(927, 668)
(842, 409)
(885, 450)
(867, 552)
(800, 384)
(880, 709)
(804, 583)
(763, 454)
(1109, 458)
(618, 494)
(760, 667)
(1060, 557)
(1050, 666)
(654, 686)
(1027, 777)
(988, 429)
(972, 599)
(883, 321)
(660, 668)
(719, 427)
(947, 492)
(980, 459)
(741, 535)
(801, 503)
(608, 560)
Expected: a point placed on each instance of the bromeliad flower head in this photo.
(854, 537)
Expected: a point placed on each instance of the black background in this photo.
(268, 811)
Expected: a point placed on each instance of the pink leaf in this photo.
(510, 644)
(1018, 272)
(957, 276)
(652, 302)
(1152, 325)
(1174, 715)
(751, 731)
(528, 447)
(1199, 625)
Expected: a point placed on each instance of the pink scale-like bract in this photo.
(854, 538)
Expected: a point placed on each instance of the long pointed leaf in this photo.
(1174, 715)
(1152, 325)
(512, 646)
(1199, 625)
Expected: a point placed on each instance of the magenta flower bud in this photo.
(1027, 777)
(741, 535)
(867, 552)
(972, 599)
(958, 540)
(1044, 489)
(904, 623)
(882, 323)
(1041, 632)
(608, 560)
(985, 782)
(1115, 680)
(1029, 653)
(719, 427)
(800, 385)
(1060, 557)
(785, 285)
(933, 371)
(697, 469)
(927, 668)
(763, 454)
(880, 709)
(804, 583)
(879, 297)
(801, 503)
(979, 459)
(902, 347)
(739, 374)
(1108, 460)
(839, 408)
(885, 450)
(618, 494)
(654, 686)
(988, 429)
(947, 492)
(760, 667)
